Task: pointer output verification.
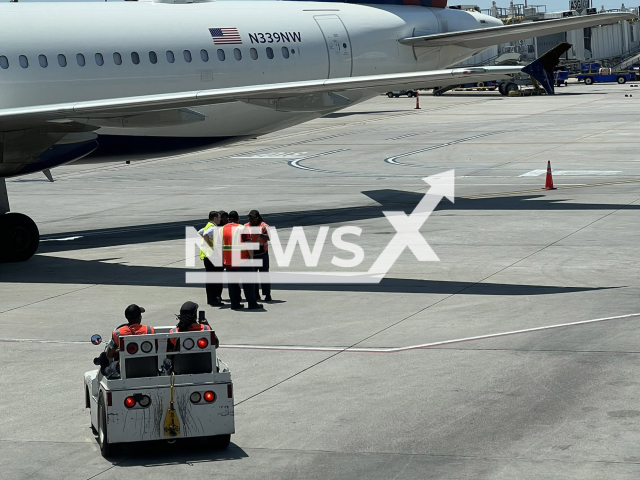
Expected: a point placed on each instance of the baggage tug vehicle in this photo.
(164, 392)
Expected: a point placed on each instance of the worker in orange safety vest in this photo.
(234, 236)
(262, 254)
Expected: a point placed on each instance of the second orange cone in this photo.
(548, 184)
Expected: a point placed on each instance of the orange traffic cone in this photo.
(417, 100)
(548, 184)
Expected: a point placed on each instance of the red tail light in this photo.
(109, 399)
(209, 397)
(129, 402)
(230, 390)
(202, 343)
(132, 348)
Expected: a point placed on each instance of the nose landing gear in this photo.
(19, 235)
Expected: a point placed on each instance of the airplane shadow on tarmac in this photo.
(106, 271)
(54, 270)
(182, 452)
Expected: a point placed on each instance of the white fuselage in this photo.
(68, 52)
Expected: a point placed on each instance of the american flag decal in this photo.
(225, 36)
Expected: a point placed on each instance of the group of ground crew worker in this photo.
(224, 236)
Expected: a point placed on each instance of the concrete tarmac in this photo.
(351, 401)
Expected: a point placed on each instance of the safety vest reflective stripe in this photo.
(205, 240)
(232, 240)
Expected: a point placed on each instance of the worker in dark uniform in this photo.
(262, 238)
(224, 218)
(211, 236)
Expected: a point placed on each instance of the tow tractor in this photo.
(605, 75)
(162, 394)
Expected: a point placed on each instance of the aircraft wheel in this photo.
(501, 89)
(219, 442)
(622, 80)
(19, 237)
(588, 81)
(510, 87)
(390, 95)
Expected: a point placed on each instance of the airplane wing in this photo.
(487, 37)
(45, 136)
(298, 95)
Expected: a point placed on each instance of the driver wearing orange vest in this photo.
(233, 236)
(133, 314)
(188, 322)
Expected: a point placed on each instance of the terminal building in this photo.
(616, 46)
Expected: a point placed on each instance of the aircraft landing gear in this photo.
(19, 235)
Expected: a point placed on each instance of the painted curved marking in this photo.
(297, 164)
(392, 160)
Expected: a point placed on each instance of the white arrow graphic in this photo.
(408, 226)
(407, 236)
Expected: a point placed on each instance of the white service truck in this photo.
(162, 394)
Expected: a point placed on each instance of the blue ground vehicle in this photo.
(619, 77)
(560, 77)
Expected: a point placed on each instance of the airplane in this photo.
(78, 79)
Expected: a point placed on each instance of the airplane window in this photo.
(153, 58)
(80, 59)
(237, 53)
(269, 53)
(221, 55)
(285, 52)
(117, 58)
(42, 59)
(293, 51)
(24, 63)
(135, 58)
(99, 59)
(204, 55)
(254, 53)
(62, 60)
(170, 57)
(187, 56)
(4, 62)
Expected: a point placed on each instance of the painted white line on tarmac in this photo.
(571, 173)
(296, 348)
(426, 345)
(66, 239)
